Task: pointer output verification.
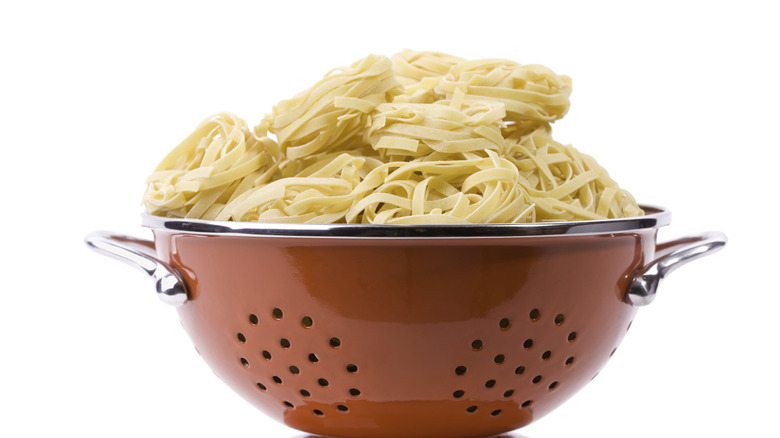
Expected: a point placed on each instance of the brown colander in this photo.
(407, 331)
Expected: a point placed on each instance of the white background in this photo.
(678, 100)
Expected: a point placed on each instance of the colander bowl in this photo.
(407, 331)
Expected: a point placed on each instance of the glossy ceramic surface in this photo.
(413, 336)
(417, 338)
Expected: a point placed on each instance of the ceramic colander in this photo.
(407, 331)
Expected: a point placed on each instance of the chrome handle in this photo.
(170, 285)
(670, 256)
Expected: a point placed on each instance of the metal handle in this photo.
(170, 285)
(670, 256)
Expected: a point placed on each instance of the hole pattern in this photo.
(505, 324)
(279, 352)
(514, 387)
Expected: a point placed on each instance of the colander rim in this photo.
(654, 217)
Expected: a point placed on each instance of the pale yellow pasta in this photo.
(421, 138)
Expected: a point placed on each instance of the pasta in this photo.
(418, 138)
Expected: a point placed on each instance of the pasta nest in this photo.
(418, 138)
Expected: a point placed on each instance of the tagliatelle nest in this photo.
(422, 137)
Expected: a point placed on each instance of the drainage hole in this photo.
(266, 354)
(528, 344)
(261, 386)
(509, 392)
(471, 409)
(499, 359)
(335, 342)
(253, 319)
(288, 404)
(534, 314)
(307, 321)
(277, 313)
(527, 403)
(546, 355)
(354, 392)
(460, 370)
(294, 370)
(553, 385)
(504, 323)
(342, 408)
(284, 343)
(277, 379)
(490, 383)
(458, 394)
(241, 338)
(537, 379)
(323, 382)
(519, 370)
(244, 362)
(572, 336)
(559, 319)
(476, 344)
(569, 361)
(313, 358)
(496, 412)
(352, 368)
(305, 393)
(318, 412)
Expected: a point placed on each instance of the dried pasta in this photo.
(418, 138)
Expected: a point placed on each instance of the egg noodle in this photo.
(419, 138)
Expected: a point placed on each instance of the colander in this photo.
(407, 331)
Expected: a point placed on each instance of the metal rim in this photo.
(654, 217)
